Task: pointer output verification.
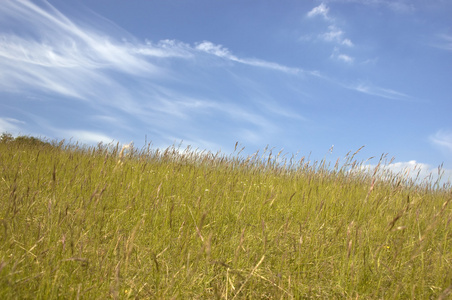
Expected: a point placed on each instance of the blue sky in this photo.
(295, 75)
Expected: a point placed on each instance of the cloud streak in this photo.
(87, 137)
(60, 42)
(378, 91)
(443, 139)
(60, 57)
(222, 52)
(68, 59)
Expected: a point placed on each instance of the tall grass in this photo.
(117, 222)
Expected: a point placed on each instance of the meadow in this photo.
(113, 222)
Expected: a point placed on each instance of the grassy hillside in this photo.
(106, 222)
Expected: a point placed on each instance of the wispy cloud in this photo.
(400, 6)
(220, 51)
(165, 49)
(59, 56)
(347, 42)
(345, 58)
(443, 139)
(334, 34)
(59, 42)
(378, 91)
(65, 58)
(86, 136)
(10, 125)
(445, 42)
(340, 56)
(49, 53)
(321, 10)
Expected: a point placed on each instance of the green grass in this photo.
(104, 222)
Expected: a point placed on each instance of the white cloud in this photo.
(345, 58)
(335, 34)
(217, 50)
(61, 42)
(347, 42)
(401, 167)
(60, 57)
(165, 49)
(341, 57)
(413, 171)
(321, 10)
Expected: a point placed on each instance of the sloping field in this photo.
(105, 222)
